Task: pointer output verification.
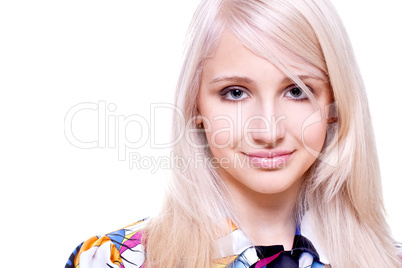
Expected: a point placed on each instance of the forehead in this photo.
(232, 54)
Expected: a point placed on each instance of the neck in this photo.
(266, 219)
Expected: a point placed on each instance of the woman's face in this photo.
(263, 131)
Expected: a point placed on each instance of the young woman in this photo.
(283, 167)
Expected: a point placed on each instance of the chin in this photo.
(274, 187)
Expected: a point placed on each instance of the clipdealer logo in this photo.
(113, 131)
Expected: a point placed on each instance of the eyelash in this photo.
(224, 92)
(288, 89)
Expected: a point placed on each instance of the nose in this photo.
(266, 126)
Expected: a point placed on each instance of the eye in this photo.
(296, 93)
(234, 94)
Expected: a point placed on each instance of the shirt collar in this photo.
(236, 243)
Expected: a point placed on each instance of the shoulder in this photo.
(121, 248)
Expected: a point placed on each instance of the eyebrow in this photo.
(234, 78)
(242, 79)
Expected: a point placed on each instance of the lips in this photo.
(269, 154)
(269, 159)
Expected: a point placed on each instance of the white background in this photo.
(56, 54)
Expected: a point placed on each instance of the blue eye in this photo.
(233, 94)
(236, 93)
(296, 93)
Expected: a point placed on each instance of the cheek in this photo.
(220, 133)
(314, 137)
(220, 128)
(309, 129)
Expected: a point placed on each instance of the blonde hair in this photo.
(342, 189)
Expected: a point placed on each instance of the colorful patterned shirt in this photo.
(123, 249)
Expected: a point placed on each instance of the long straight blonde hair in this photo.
(342, 190)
